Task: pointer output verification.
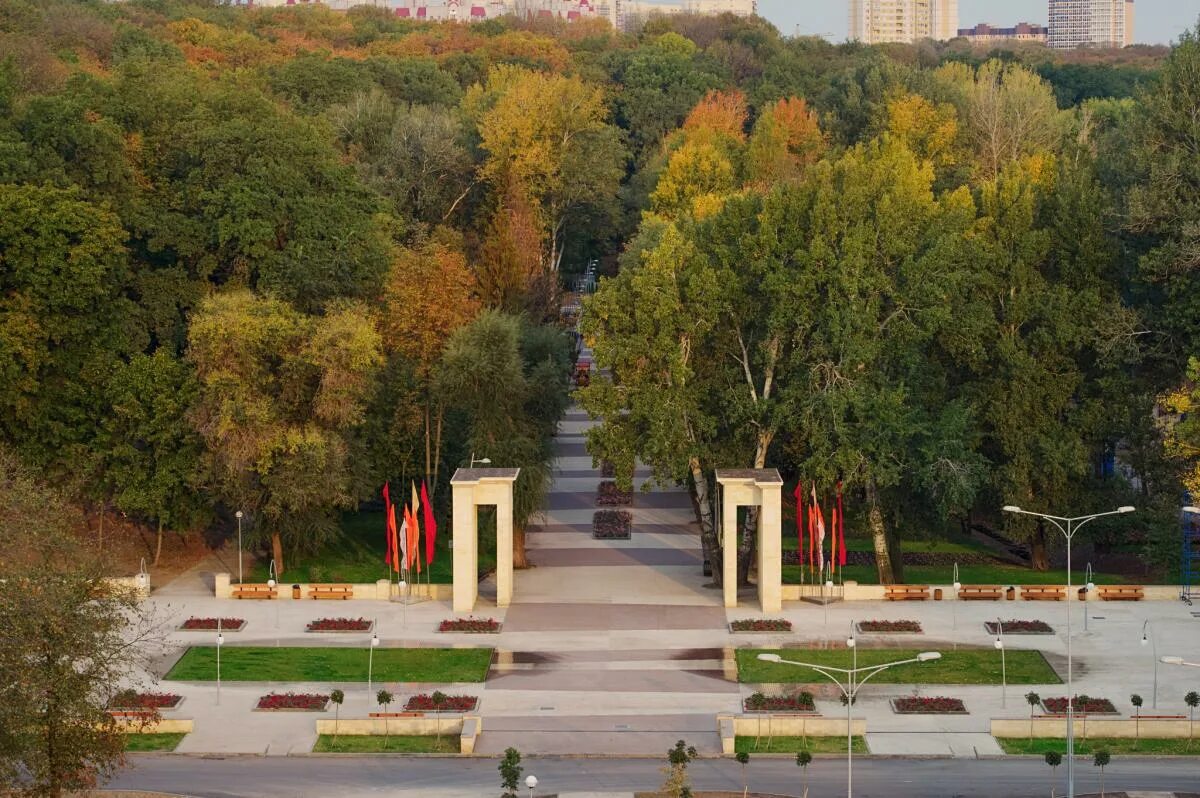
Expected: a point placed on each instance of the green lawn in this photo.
(152, 742)
(794, 745)
(392, 744)
(1115, 746)
(964, 666)
(357, 556)
(254, 664)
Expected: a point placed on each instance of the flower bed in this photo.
(194, 624)
(919, 705)
(1084, 704)
(609, 495)
(800, 702)
(890, 627)
(339, 625)
(132, 699)
(760, 625)
(611, 524)
(470, 625)
(293, 702)
(449, 703)
(1020, 628)
(607, 469)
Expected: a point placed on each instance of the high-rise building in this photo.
(1090, 23)
(880, 21)
(984, 33)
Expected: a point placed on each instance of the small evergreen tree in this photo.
(1192, 700)
(510, 772)
(337, 697)
(677, 784)
(743, 759)
(384, 698)
(1053, 759)
(1136, 700)
(438, 700)
(1033, 699)
(803, 760)
(1101, 760)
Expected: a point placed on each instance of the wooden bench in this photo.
(980, 593)
(906, 592)
(331, 592)
(397, 714)
(255, 592)
(1121, 592)
(1043, 593)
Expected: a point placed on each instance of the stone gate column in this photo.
(473, 487)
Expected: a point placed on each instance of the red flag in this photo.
(812, 532)
(430, 525)
(841, 527)
(389, 521)
(411, 520)
(820, 529)
(833, 544)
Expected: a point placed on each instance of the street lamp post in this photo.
(851, 689)
(272, 581)
(1088, 587)
(371, 664)
(1069, 526)
(954, 604)
(239, 519)
(481, 460)
(999, 644)
(220, 642)
(1148, 640)
(531, 782)
(1179, 661)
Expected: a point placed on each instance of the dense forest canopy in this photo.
(267, 259)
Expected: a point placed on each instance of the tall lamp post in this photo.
(531, 782)
(999, 645)
(1088, 587)
(481, 460)
(850, 690)
(239, 519)
(1069, 526)
(371, 665)
(220, 642)
(1179, 661)
(1148, 640)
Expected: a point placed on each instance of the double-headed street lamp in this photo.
(850, 689)
(999, 645)
(1069, 526)
(239, 520)
(1148, 640)
(1179, 661)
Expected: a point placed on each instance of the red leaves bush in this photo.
(801, 702)
(763, 625)
(339, 625)
(607, 469)
(889, 626)
(611, 524)
(132, 699)
(940, 705)
(476, 625)
(231, 624)
(609, 495)
(1020, 628)
(448, 703)
(311, 702)
(1083, 703)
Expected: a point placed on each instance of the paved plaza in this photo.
(620, 648)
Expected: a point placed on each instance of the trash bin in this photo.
(295, 591)
(1011, 594)
(937, 594)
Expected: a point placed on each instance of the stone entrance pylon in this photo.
(473, 487)
(749, 487)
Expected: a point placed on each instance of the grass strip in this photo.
(1087, 747)
(391, 744)
(1003, 575)
(153, 742)
(964, 666)
(794, 745)
(262, 664)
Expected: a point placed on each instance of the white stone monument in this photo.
(749, 487)
(473, 487)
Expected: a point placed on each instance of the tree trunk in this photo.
(277, 552)
(519, 558)
(1039, 559)
(428, 453)
(437, 451)
(750, 531)
(158, 546)
(708, 534)
(883, 552)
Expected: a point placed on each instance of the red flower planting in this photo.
(448, 703)
(311, 702)
(929, 706)
(476, 625)
(211, 623)
(339, 625)
(611, 524)
(609, 495)
(1020, 628)
(1083, 703)
(764, 625)
(889, 626)
(132, 699)
(801, 702)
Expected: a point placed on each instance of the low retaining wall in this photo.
(771, 725)
(1150, 728)
(139, 584)
(370, 591)
(467, 727)
(161, 726)
(852, 591)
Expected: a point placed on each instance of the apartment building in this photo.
(983, 33)
(906, 21)
(1090, 23)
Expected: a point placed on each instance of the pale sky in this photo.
(1156, 21)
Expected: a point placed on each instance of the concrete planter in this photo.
(224, 629)
(370, 627)
(992, 628)
(895, 704)
(734, 631)
(861, 629)
(499, 628)
(324, 708)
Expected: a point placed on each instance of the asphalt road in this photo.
(338, 776)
